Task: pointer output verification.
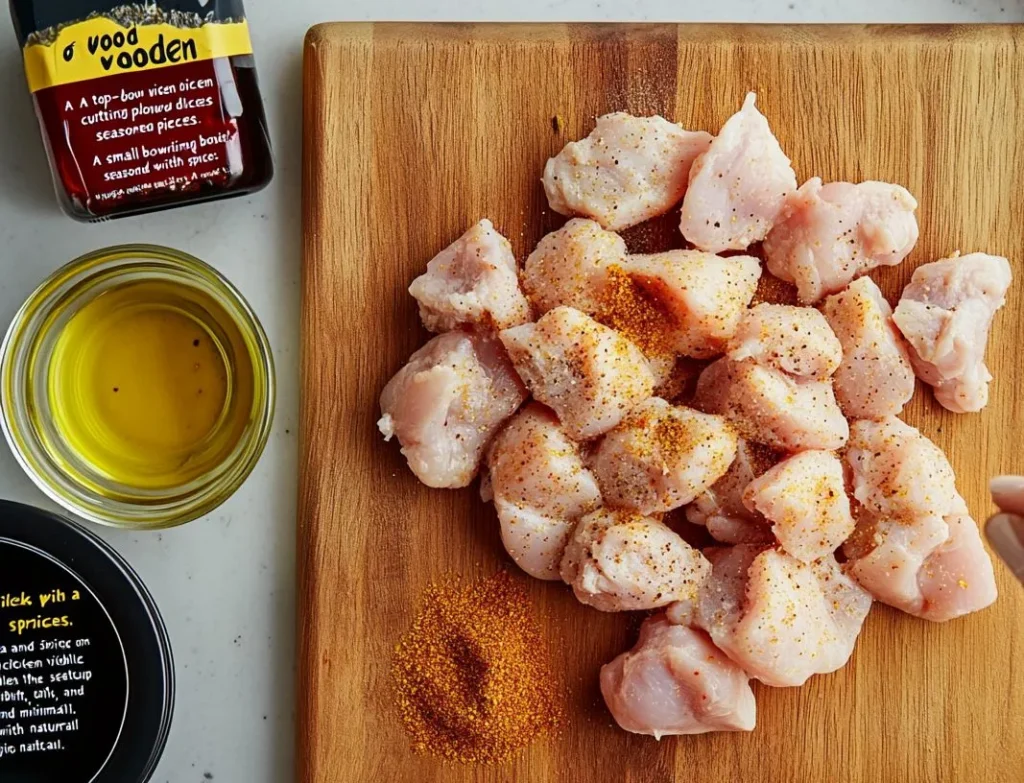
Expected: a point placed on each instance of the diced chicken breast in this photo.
(737, 188)
(899, 474)
(662, 456)
(779, 619)
(620, 561)
(540, 488)
(796, 340)
(702, 296)
(827, 235)
(474, 281)
(805, 499)
(570, 267)
(769, 407)
(675, 681)
(627, 170)
(721, 509)
(588, 374)
(946, 313)
(447, 402)
(957, 578)
(875, 378)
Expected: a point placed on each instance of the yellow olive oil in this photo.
(151, 384)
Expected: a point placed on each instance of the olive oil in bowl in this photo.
(137, 387)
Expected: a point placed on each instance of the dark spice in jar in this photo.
(471, 678)
(144, 106)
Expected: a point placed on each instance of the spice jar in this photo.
(144, 106)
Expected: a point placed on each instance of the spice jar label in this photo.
(63, 672)
(144, 105)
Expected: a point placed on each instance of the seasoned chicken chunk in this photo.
(899, 474)
(945, 313)
(769, 407)
(957, 578)
(662, 456)
(474, 280)
(627, 170)
(721, 509)
(804, 497)
(796, 340)
(702, 297)
(570, 267)
(447, 402)
(620, 561)
(540, 488)
(588, 374)
(675, 681)
(738, 186)
(827, 235)
(875, 378)
(781, 620)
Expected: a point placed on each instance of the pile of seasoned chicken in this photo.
(788, 450)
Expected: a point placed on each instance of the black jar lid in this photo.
(86, 673)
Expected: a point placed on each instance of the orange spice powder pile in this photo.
(470, 676)
(626, 307)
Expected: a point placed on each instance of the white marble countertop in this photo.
(225, 584)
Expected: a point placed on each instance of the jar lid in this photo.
(86, 673)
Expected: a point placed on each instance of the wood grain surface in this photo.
(412, 133)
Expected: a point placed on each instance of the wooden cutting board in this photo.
(412, 133)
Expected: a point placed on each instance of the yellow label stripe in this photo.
(101, 47)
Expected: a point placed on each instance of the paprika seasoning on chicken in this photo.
(470, 676)
(144, 106)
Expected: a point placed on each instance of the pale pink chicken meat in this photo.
(702, 296)
(875, 378)
(662, 456)
(588, 374)
(621, 561)
(767, 406)
(898, 474)
(946, 313)
(827, 235)
(675, 681)
(804, 497)
(628, 170)
(721, 510)
(779, 619)
(540, 488)
(795, 340)
(474, 281)
(447, 402)
(571, 266)
(738, 186)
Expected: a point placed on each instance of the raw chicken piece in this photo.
(886, 556)
(796, 340)
(721, 508)
(589, 374)
(570, 267)
(619, 561)
(627, 170)
(472, 281)
(827, 235)
(957, 578)
(769, 407)
(898, 474)
(805, 499)
(541, 489)
(875, 378)
(702, 296)
(662, 457)
(781, 620)
(675, 681)
(738, 186)
(447, 402)
(945, 313)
